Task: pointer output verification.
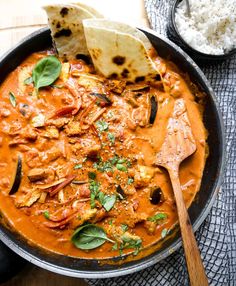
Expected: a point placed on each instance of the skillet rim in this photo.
(145, 261)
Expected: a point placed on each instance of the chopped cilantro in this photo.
(107, 201)
(92, 175)
(130, 181)
(121, 167)
(157, 217)
(124, 227)
(111, 137)
(102, 125)
(46, 214)
(94, 190)
(103, 166)
(114, 160)
(129, 242)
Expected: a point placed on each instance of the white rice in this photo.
(211, 29)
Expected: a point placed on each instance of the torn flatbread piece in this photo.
(65, 22)
(119, 51)
(90, 9)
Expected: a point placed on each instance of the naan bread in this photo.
(65, 22)
(119, 50)
(90, 9)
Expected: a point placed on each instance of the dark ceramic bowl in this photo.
(199, 209)
(175, 36)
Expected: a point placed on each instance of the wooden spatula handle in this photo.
(195, 266)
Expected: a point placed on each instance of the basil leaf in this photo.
(108, 202)
(89, 236)
(12, 99)
(46, 71)
(28, 80)
(157, 217)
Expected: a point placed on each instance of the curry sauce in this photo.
(88, 148)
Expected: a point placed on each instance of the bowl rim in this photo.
(140, 264)
(193, 51)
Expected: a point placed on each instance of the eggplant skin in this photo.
(18, 176)
(153, 110)
(102, 97)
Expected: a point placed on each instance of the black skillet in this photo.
(199, 209)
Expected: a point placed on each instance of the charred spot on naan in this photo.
(63, 33)
(118, 60)
(64, 11)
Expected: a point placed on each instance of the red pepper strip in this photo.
(61, 223)
(64, 111)
(73, 89)
(62, 214)
(59, 187)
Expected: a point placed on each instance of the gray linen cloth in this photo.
(217, 235)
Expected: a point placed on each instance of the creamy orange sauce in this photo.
(84, 141)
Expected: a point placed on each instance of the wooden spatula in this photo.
(179, 144)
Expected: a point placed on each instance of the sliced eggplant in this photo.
(139, 87)
(102, 97)
(156, 196)
(18, 176)
(154, 106)
(120, 193)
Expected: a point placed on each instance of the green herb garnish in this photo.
(124, 227)
(92, 175)
(78, 166)
(108, 202)
(130, 181)
(12, 99)
(28, 80)
(164, 232)
(121, 167)
(129, 242)
(94, 190)
(107, 166)
(46, 71)
(103, 166)
(111, 137)
(46, 214)
(102, 125)
(157, 217)
(115, 246)
(89, 236)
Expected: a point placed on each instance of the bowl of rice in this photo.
(209, 32)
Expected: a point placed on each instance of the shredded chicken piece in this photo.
(37, 174)
(28, 199)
